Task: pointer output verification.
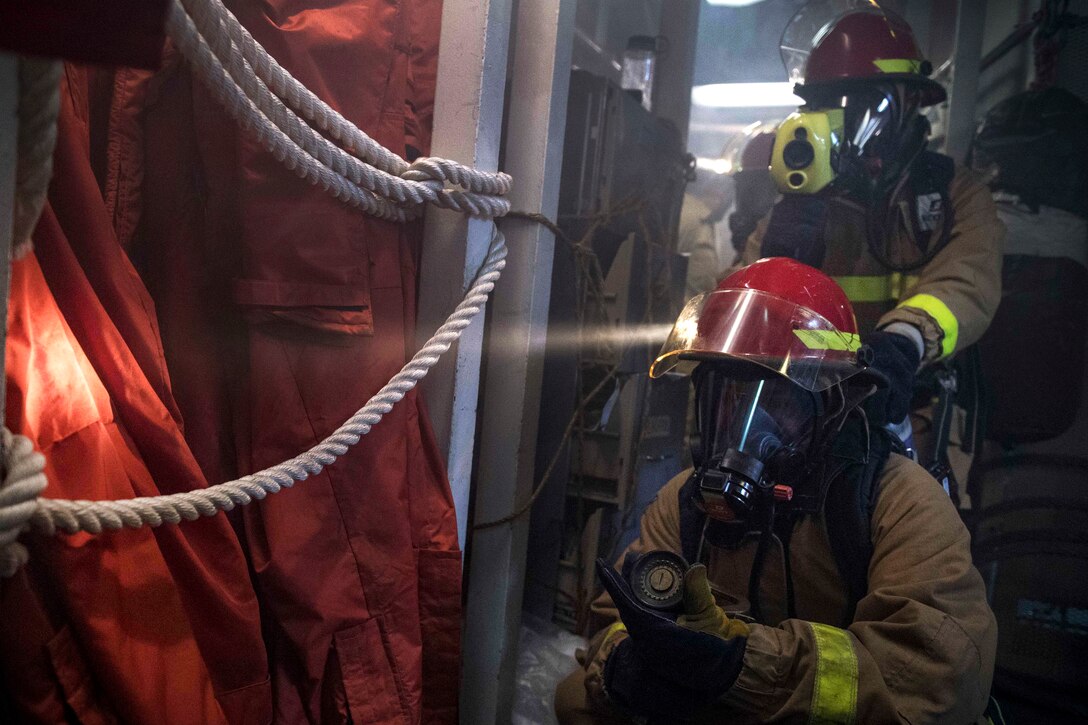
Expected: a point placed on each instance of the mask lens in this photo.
(756, 416)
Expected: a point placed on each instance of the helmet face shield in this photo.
(809, 26)
(753, 326)
(756, 415)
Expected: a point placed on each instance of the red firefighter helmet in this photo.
(750, 148)
(833, 43)
(756, 155)
(780, 314)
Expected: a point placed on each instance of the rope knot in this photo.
(24, 481)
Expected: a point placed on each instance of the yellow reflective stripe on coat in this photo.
(835, 689)
(829, 340)
(939, 311)
(875, 287)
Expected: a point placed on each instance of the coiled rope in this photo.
(266, 101)
(277, 111)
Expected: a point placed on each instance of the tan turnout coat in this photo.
(923, 638)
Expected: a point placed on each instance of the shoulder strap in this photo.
(932, 172)
(692, 520)
(859, 455)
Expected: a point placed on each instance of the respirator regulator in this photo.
(754, 436)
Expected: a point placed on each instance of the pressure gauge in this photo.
(657, 579)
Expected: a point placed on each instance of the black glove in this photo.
(631, 684)
(796, 229)
(688, 668)
(895, 358)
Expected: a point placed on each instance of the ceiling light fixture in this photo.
(745, 95)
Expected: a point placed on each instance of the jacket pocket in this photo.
(328, 308)
(440, 627)
(76, 684)
(371, 686)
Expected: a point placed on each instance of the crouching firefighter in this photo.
(803, 571)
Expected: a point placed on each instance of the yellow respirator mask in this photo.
(806, 148)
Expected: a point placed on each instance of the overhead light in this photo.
(714, 166)
(733, 3)
(745, 95)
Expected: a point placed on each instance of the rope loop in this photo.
(278, 111)
(24, 481)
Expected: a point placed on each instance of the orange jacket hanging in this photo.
(283, 310)
(134, 626)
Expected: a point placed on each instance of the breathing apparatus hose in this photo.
(766, 536)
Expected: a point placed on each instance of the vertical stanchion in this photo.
(676, 69)
(963, 95)
(467, 128)
(510, 400)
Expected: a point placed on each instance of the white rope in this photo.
(19, 496)
(23, 483)
(240, 73)
(39, 105)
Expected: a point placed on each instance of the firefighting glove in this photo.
(895, 358)
(702, 613)
(687, 665)
(796, 229)
(632, 684)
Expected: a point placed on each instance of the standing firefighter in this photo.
(831, 579)
(912, 237)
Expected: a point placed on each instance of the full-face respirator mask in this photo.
(866, 144)
(755, 435)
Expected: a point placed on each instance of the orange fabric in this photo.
(283, 310)
(135, 626)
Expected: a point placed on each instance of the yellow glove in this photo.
(702, 613)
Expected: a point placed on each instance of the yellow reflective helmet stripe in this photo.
(898, 65)
(939, 311)
(829, 340)
(875, 287)
(835, 688)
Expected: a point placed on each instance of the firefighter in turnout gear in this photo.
(802, 570)
(912, 237)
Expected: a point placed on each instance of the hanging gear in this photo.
(1035, 146)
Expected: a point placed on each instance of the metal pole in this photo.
(9, 95)
(963, 95)
(676, 69)
(919, 15)
(511, 395)
(467, 127)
